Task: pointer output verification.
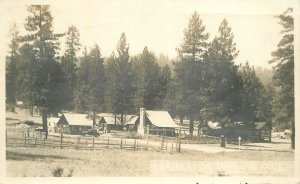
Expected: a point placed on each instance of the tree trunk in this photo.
(181, 120)
(191, 125)
(94, 118)
(31, 110)
(293, 136)
(122, 119)
(44, 119)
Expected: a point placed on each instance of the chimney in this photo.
(141, 130)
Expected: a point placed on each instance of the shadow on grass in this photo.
(10, 155)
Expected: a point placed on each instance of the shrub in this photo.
(59, 171)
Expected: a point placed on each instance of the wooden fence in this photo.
(32, 138)
(28, 138)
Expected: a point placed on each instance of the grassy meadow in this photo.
(41, 162)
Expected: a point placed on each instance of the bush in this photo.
(59, 171)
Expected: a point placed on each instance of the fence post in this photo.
(121, 143)
(108, 143)
(134, 145)
(179, 142)
(78, 140)
(93, 142)
(35, 142)
(44, 141)
(147, 136)
(172, 142)
(25, 139)
(61, 139)
(6, 138)
(28, 132)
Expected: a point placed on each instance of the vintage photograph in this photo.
(149, 88)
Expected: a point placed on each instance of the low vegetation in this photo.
(36, 162)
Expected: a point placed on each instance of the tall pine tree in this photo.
(283, 77)
(45, 83)
(12, 65)
(120, 79)
(225, 84)
(68, 64)
(190, 70)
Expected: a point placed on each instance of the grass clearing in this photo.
(39, 162)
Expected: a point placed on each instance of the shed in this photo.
(109, 122)
(257, 131)
(74, 123)
(264, 130)
(131, 122)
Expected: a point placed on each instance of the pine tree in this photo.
(190, 71)
(68, 65)
(251, 95)
(124, 79)
(90, 88)
(46, 80)
(148, 87)
(12, 65)
(225, 84)
(283, 77)
(96, 82)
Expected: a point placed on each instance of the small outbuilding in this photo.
(109, 122)
(264, 130)
(131, 123)
(74, 124)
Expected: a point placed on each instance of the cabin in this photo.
(255, 132)
(159, 122)
(74, 124)
(109, 122)
(131, 123)
(264, 130)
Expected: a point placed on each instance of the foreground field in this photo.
(40, 162)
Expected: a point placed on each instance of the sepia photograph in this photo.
(140, 88)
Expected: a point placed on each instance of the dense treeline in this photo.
(203, 84)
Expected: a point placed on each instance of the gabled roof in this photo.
(131, 119)
(77, 119)
(161, 119)
(104, 114)
(259, 125)
(110, 120)
(214, 125)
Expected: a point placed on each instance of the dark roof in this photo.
(259, 125)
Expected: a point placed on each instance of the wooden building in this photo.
(254, 132)
(159, 122)
(131, 123)
(109, 122)
(75, 124)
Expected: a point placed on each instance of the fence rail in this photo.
(30, 139)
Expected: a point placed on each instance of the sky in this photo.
(159, 24)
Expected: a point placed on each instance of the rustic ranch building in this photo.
(74, 124)
(159, 122)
